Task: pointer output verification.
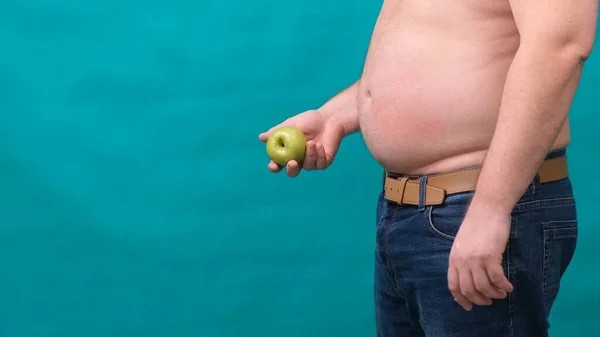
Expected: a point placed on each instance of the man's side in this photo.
(446, 87)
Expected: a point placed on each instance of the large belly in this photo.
(432, 84)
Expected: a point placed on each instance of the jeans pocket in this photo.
(560, 240)
(445, 220)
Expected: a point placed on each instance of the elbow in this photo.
(577, 50)
(568, 52)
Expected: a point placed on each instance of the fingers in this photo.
(484, 286)
(292, 169)
(478, 285)
(310, 158)
(322, 160)
(464, 290)
(469, 289)
(273, 167)
(315, 157)
(498, 279)
(455, 289)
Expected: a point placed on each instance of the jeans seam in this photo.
(380, 228)
(386, 233)
(545, 265)
(547, 236)
(387, 230)
(433, 230)
(544, 271)
(539, 204)
(510, 276)
(388, 271)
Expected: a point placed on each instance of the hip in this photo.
(414, 242)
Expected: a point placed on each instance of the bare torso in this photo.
(433, 79)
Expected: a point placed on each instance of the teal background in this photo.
(134, 195)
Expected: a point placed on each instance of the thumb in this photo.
(265, 135)
(331, 139)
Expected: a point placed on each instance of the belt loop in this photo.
(422, 192)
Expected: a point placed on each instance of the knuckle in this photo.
(484, 257)
(476, 257)
(496, 278)
(467, 291)
(455, 259)
(453, 287)
(481, 288)
(468, 259)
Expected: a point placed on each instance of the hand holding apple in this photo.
(321, 139)
(285, 144)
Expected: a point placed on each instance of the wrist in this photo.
(342, 110)
(486, 207)
(346, 121)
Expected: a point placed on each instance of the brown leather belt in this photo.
(404, 190)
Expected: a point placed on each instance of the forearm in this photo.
(343, 109)
(539, 89)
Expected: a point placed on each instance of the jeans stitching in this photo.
(545, 270)
(381, 199)
(549, 235)
(433, 229)
(510, 271)
(386, 235)
(387, 230)
(537, 204)
(384, 265)
(380, 229)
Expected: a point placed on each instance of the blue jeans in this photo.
(413, 244)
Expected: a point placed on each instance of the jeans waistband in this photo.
(432, 189)
(557, 153)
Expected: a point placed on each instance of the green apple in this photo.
(285, 144)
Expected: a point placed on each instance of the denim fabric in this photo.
(413, 243)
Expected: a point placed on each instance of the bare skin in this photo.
(449, 85)
(430, 94)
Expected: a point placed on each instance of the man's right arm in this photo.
(343, 109)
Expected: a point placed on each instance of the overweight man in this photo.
(465, 106)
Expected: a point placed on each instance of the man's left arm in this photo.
(556, 37)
